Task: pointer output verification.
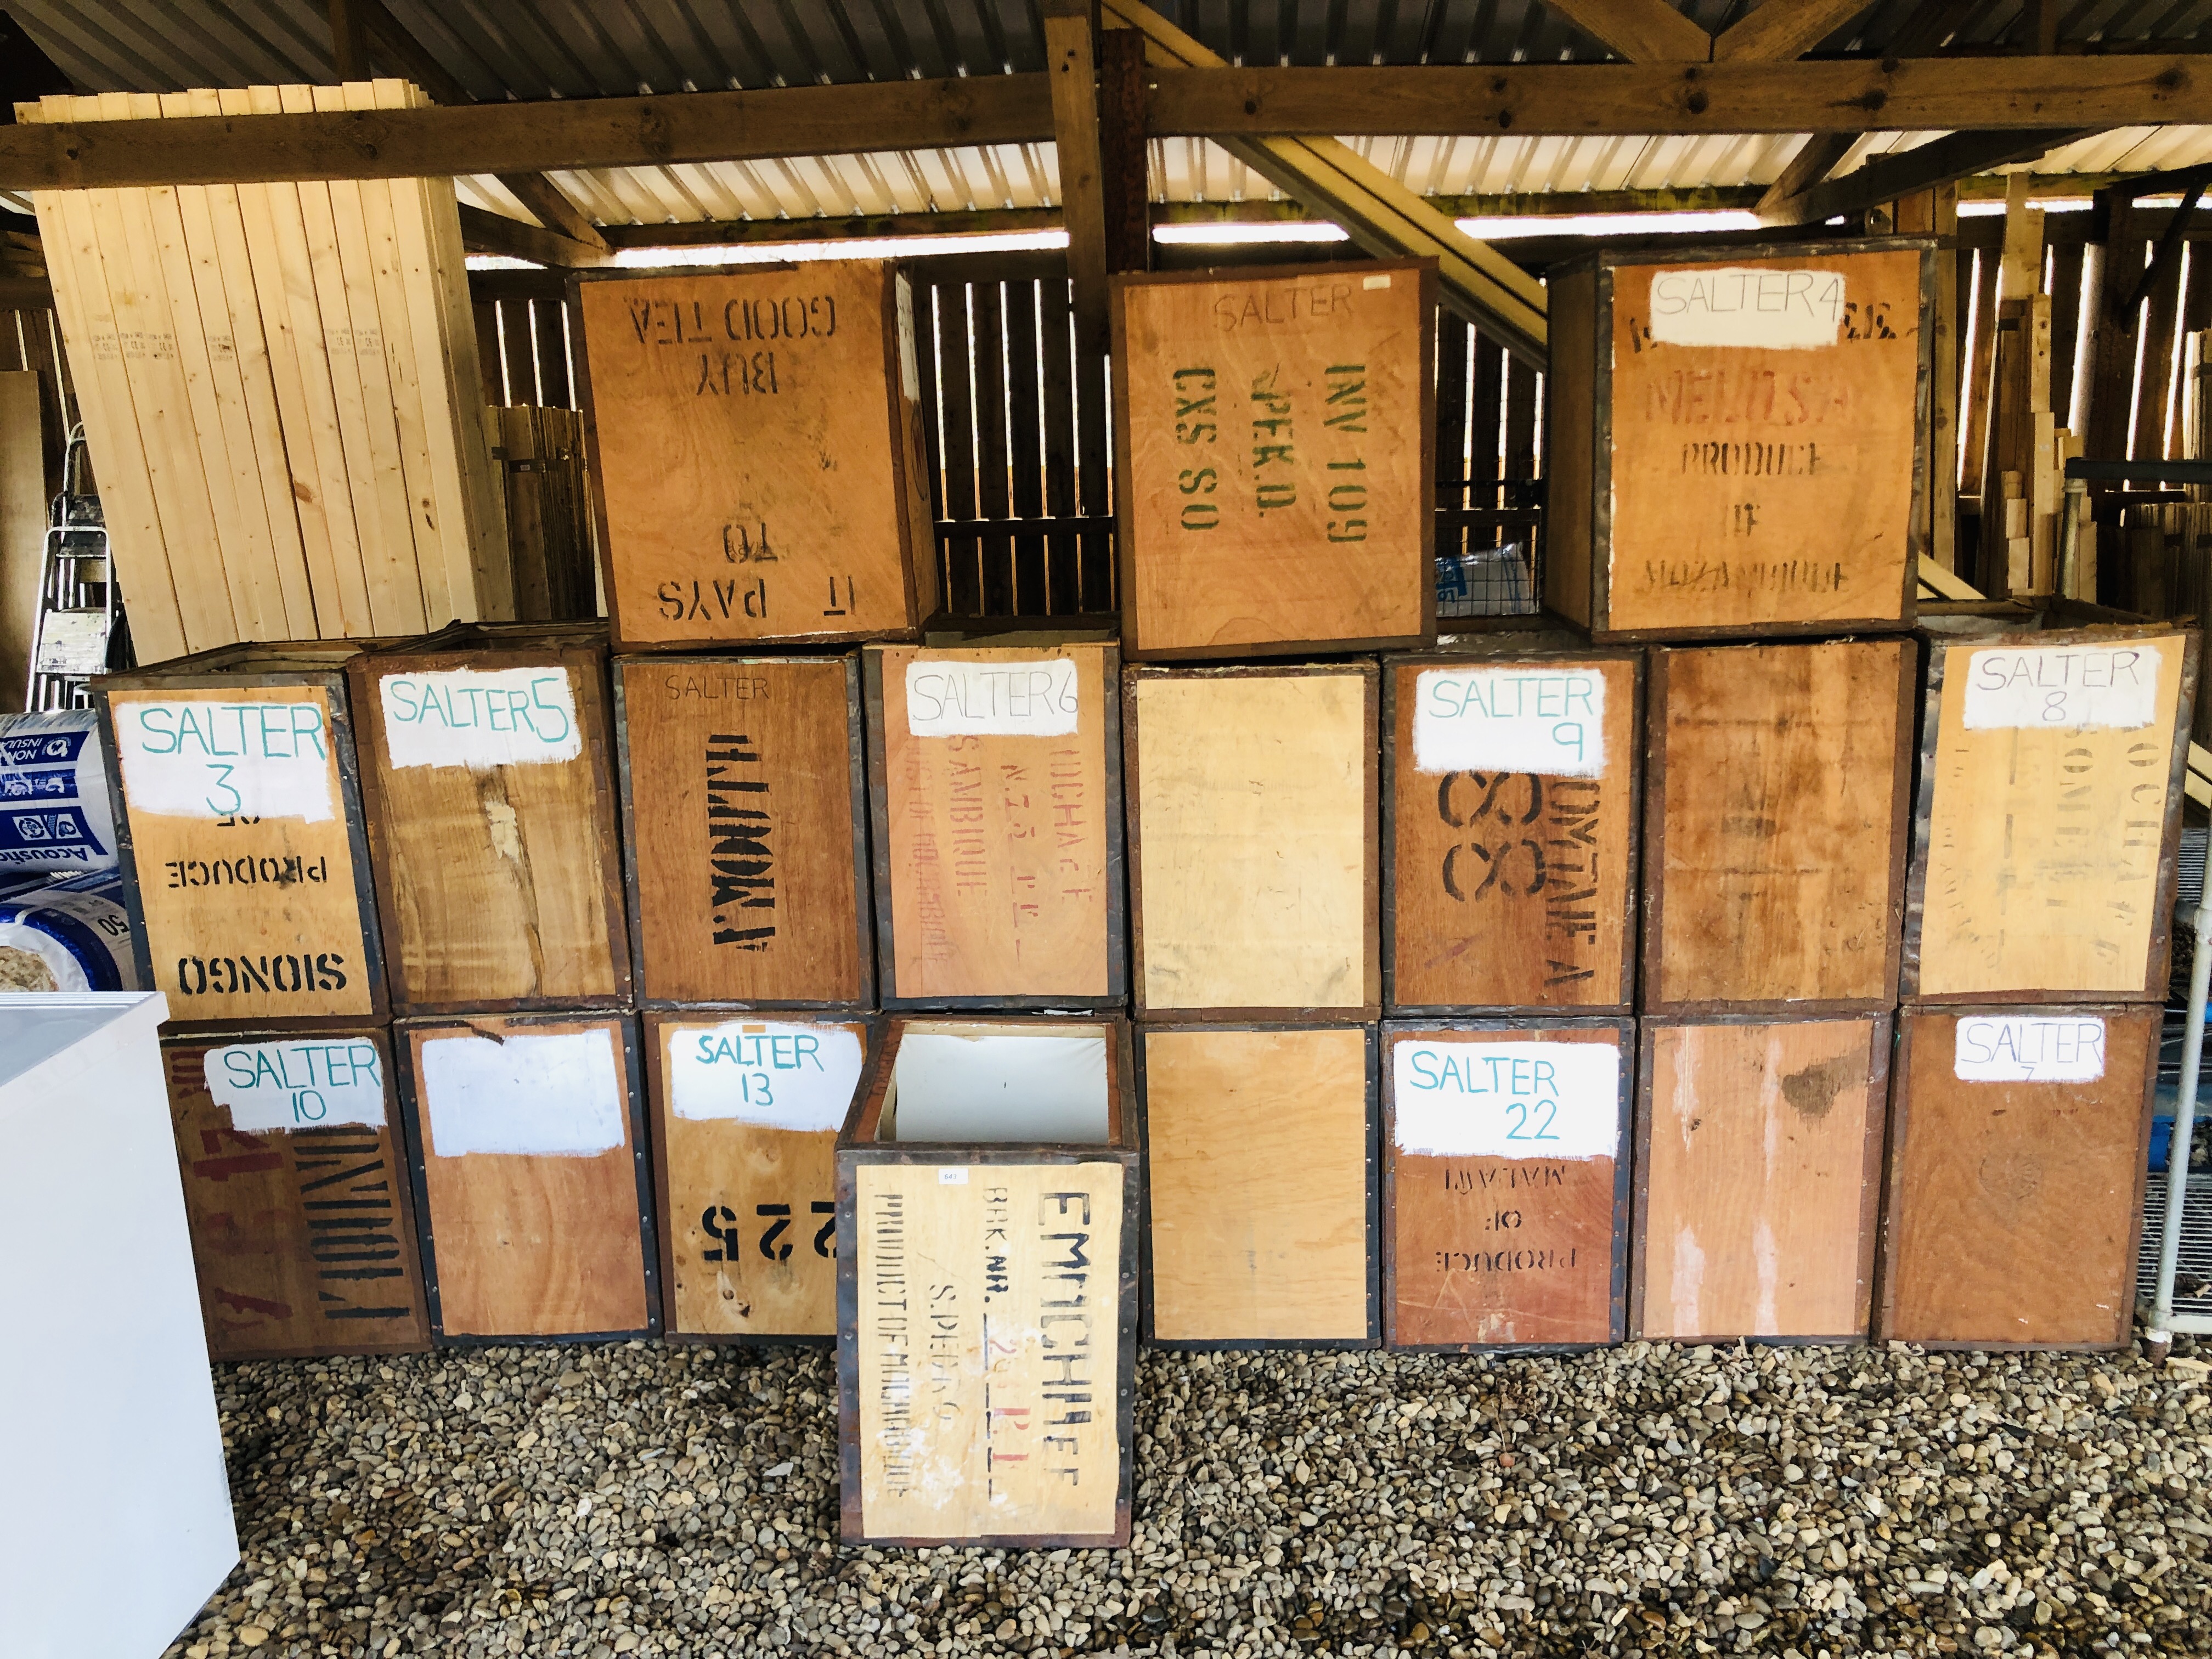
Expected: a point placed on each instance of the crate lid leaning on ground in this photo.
(990, 1186)
(1738, 438)
(1276, 474)
(487, 778)
(2049, 811)
(242, 834)
(756, 434)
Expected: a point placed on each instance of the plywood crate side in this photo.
(1510, 820)
(531, 1178)
(1262, 1183)
(1276, 437)
(749, 428)
(1776, 785)
(295, 1185)
(487, 778)
(995, 783)
(1505, 1181)
(1758, 1177)
(1254, 865)
(2044, 854)
(1758, 427)
(745, 830)
(241, 836)
(1005, 1265)
(2019, 1145)
(746, 1112)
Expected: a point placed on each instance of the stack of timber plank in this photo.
(281, 391)
(2024, 474)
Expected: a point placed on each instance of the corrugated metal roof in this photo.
(501, 49)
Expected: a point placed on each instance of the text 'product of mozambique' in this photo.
(238, 812)
(1505, 1183)
(530, 1175)
(487, 775)
(1509, 794)
(296, 1187)
(746, 1109)
(745, 830)
(1252, 841)
(1757, 1170)
(756, 434)
(2017, 1157)
(2048, 816)
(1775, 793)
(1260, 1186)
(1276, 437)
(989, 1187)
(1737, 439)
(996, 784)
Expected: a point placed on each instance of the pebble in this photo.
(682, 1503)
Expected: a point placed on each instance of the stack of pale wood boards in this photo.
(281, 390)
(2024, 481)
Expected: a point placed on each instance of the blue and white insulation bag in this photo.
(69, 935)
(55, 813)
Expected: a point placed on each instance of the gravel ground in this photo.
(682, 1502)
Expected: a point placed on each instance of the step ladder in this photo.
(80, 630)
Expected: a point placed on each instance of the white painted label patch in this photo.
(466, 717)
(2026, 1048)
(1034, 698)
(311, 1084)
(1477, 1099)
(1550, 721)
(777, 1076)
(2064, 687)
(1742, 306)
(556, 1094)
(212, 759)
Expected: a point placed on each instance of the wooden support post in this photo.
(1072, 60)
(1123, 154)
(349, 39)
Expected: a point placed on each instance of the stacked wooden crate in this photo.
(279, 383)
(2038, 923)
(1738, 450)
(240, 833)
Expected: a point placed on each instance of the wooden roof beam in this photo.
(1941, 161)
(1072, 61)
(1381, 214)
(1782, 29)
(1641, 31)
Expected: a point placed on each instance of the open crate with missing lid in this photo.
(1505, 1181)
(489, 784)
(744, 805)
(745, 1111)
(241, 836)
(1737, 439)
(989, 1188)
